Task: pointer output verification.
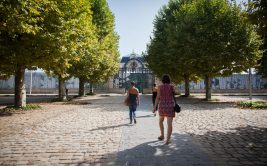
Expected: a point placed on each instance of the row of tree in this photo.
(64, 38)
(194, 39)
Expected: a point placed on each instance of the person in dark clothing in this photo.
(154, 95)
(133, 94)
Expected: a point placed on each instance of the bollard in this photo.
(23, 100)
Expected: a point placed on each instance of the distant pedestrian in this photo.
(134, 100)
(67, 92)
(165, 102)
(154, 95)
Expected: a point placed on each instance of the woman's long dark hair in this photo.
(166, 79)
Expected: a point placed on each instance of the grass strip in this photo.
(252, 104)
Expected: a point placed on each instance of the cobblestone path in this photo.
(231, 136)
(63, 134)
(95, 131)
(139, 145)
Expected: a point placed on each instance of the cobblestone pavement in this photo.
(231, 136)
(63, 134)
(95, 131)
(139, 145)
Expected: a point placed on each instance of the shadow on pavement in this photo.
(4, 113)
(217, 99)
(241, 146)
(145, 116)
(102, 99)
(9, 100)
(180, 152)
(111, 127)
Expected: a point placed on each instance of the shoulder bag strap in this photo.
(173, 93)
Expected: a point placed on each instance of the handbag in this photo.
(177, 107)
(127, 101)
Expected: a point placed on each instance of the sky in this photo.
(134, 22)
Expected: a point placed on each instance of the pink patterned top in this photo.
(166, 101)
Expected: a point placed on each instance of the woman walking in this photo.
(165, 101)
(134, 100)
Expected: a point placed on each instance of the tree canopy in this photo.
(257, 14)
(54, 35)
(108, 40)
(204, 38)
(101, 61)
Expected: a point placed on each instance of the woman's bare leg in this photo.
(161, 126)
(169, 132)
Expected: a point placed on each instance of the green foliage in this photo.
(202, 38)
(90, 94)
(9, 110)
(221, 39)
(107, 52)
(49, 34)
(102, 18)
(75, 36)
(257, 11)
(252, 104)
(44, 33)
(26, 37)
(31, 107)
(27, 107)
(21, 32)
(159, 57)
(100, 61)
(6, 71)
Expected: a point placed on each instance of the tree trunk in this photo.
(208, 87)
(91, 88)
(187, 89)
(61, 94)
(20, 92)
(81, 87)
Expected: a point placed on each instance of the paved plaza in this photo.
(95, 130)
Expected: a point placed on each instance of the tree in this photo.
(257, 12)
(101, 61)
(108, 53)
(206, 38)
(224, 41)
(165, 55)
(21, 38)
(180, 43)
(40, 33)
(76, 37)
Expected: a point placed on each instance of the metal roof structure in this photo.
(133, 55)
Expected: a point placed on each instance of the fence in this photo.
(39, 82)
